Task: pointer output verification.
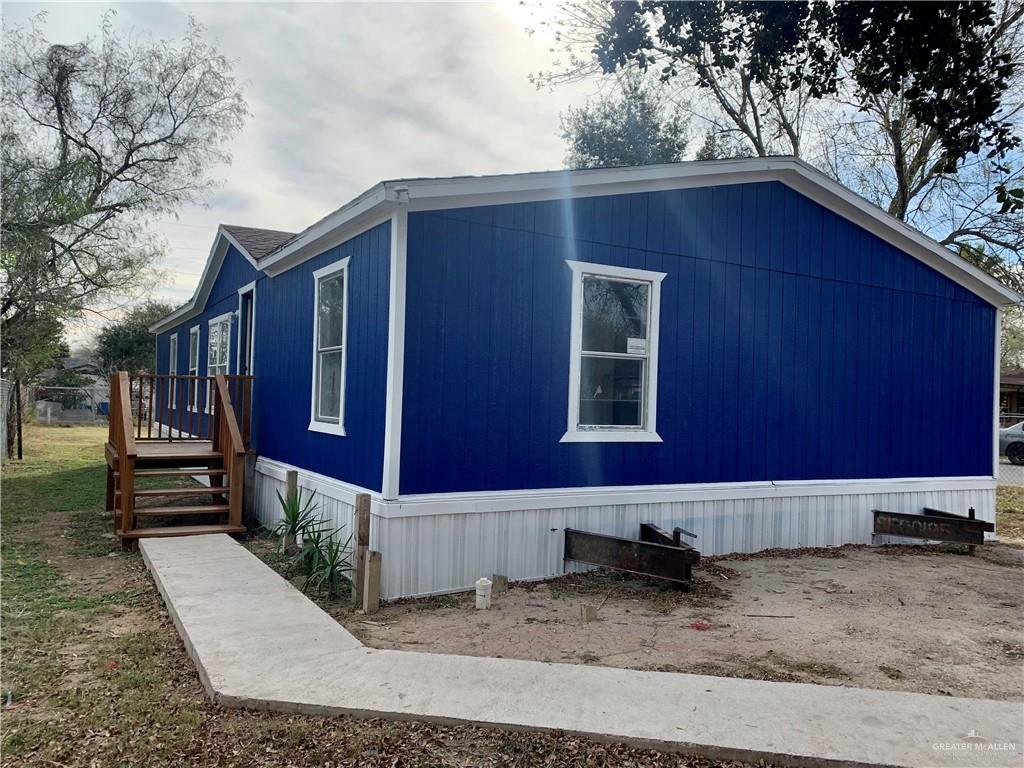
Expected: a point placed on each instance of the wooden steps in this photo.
(199, 490)
(181, 530)
(215, 449)
(200, 509)
(201, 471)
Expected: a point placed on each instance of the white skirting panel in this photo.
(335, 504)
(436, 553)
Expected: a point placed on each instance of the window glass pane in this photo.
(328, 384)
(211, 345)
(611, 392)
(222, 352)
(614, 312)
(330, 311)
(193, 351)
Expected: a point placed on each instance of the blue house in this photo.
(743, 348)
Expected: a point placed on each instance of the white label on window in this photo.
(636, 346)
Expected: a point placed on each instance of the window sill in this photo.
(610, 436)
(327, 428)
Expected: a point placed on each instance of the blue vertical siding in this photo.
(235, 271)
(283, 365)
(283, 354)
(793, 346)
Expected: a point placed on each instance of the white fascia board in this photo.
(812, 183)
(365, 212)
(195, 305)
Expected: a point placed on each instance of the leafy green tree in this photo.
(127, 345)
(636, 125)
(939, 56)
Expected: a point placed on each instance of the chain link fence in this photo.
(65, 406)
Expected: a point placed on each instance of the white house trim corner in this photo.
(396, 355)
(648, 431)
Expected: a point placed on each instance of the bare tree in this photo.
(743, 114)
(877, 148)
(98, 138)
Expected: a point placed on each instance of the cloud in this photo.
(344, 95)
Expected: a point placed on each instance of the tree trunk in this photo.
(17, 408)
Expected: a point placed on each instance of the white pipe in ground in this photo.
(483, 593)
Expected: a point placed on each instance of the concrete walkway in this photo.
(260, 643)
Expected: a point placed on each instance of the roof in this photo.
(1012, 378)
(257, 242)
(377, 204)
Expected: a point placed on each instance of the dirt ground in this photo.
(897, 618)
(94, 674)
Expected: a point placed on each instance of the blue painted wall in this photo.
(794, 346)
(283, 356)
(235, 272)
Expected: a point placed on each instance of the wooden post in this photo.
(110, 489)
(371, 585)
(361, 537)
(248, 507)
(291, 480)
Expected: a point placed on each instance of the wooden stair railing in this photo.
(122, 436)
(173, 407)
(227, 439)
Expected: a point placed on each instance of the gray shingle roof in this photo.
(258, 242)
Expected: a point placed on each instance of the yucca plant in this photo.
(314, 541)
(297, 519)
(331, 568)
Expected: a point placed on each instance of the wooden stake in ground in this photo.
(361, 536)
(371, 585)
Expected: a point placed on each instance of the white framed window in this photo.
(218, 352)
(172, 370)
(330, 331)
(193, 366)
(613, 368)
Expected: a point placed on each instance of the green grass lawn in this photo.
(97, 675)
(1010, 512)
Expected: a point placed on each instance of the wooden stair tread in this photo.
(199, 509)
(180, 530)
(179, 472)
(199, 490)
(183, 455)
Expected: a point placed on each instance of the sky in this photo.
(344, 95)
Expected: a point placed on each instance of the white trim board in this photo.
(329, 486)
(648, 430)
(250, 363)
(413, 505)
(559, 498)
(195, 305)
(390, 482)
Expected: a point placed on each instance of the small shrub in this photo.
(297, 520)
(330, 566)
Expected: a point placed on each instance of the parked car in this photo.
(1011, 443)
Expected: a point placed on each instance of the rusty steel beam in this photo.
(661, 561)
(953, 529)
(987, 526)
(652, 534)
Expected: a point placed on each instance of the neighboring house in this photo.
(742, 348)
(1011, 396)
